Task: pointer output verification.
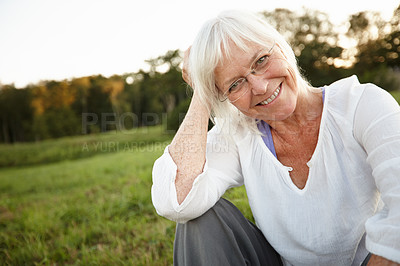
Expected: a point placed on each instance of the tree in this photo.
(170, 84)
(114, 86)
(99, 102)
(15, 114)
(157, 91)
(378, 48)
(313, 40)
(82, 86)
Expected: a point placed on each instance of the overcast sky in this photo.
(59, 39)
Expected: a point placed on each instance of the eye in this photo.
(261, 64)
(262, 60)
(235, 85)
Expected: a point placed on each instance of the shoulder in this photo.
(345, 95)
(354, 106)
(376, 108)
(344, 90)
(351, 88)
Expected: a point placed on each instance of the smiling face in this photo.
(271, 96)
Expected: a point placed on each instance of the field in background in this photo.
(86, 211)
(71, 148)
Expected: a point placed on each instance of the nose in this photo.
(257, 84)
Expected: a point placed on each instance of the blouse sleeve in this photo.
(221, 171)
(377, 128)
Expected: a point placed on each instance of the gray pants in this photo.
(222, 236)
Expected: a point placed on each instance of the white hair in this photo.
(212, 44)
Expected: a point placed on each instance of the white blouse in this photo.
(336, 217)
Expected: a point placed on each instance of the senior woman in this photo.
(321, 166)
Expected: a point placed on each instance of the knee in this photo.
(220, 214)
(207, 240)
(222, 236)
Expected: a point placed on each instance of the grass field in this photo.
(71, 148)
(87, 211)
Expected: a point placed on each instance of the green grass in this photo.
(68, 148)
(88, 211)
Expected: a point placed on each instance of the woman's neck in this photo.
(305, 118)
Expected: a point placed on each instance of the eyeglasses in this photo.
(240, 87)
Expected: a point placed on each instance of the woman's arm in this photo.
(196, 168)
(188, 148)
(377, 128)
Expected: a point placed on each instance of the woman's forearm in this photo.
(188, 148)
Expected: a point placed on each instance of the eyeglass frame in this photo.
(244, 78)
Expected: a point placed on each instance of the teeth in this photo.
(270, 99)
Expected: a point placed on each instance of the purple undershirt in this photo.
(266, 131)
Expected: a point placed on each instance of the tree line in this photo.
(52, 109)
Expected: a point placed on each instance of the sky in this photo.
(62, 39)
